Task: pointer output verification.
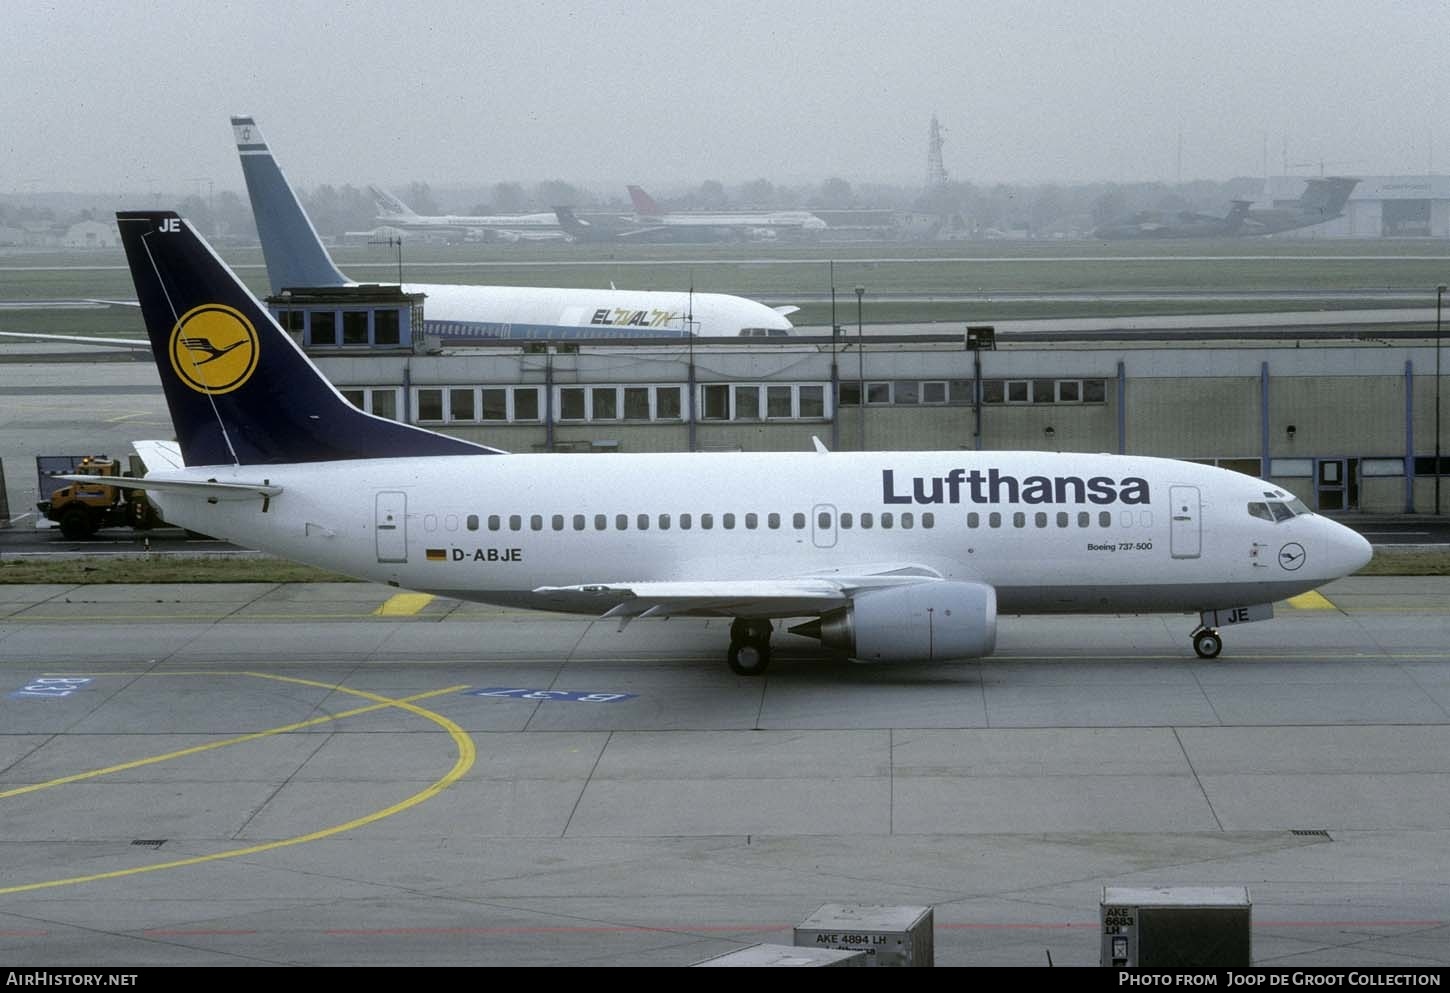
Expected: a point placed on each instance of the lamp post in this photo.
(1439, 296)
(861, 363)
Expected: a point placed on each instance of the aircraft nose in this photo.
(1349, 551)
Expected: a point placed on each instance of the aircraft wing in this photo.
(790, 597)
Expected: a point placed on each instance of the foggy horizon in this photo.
(133, 100)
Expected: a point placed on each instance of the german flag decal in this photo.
(437, 555)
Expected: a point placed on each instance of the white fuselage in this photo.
(461, 221)
(454, 310)
(1075, 532)
(771, 219)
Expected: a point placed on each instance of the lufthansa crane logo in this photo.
(1291, 556)
(214, 349)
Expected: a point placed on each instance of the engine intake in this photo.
(923, 622)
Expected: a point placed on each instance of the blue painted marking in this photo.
(565, 695)
(49, 687)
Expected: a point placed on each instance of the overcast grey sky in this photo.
(135, 96)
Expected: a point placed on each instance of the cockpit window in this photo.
(1278, 510)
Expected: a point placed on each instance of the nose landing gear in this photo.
(1207, 643)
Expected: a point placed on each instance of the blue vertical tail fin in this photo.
(294, 253)
(239, 389)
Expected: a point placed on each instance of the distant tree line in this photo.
(1040, 210)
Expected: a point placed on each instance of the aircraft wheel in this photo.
(76, 524)
(1207, 644)
(749, 646)
(749, 658)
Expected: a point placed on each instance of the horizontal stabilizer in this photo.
(194, 487)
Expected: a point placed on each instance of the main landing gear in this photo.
(1207, 643)
(749, 647)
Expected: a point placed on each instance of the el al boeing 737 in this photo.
(296, 258)
(882, 556)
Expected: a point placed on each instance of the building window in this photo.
(717, 403)
(848, 394)
(384, 403)
(747, 403)
(636, 403)
(460, 405)
(495, 405)
(354, 327)
(667, 403)
(571, 403)
(812, 401)
(430, 404)
(777, 401)
(606, 404)
(323, 327)
(878, 393)
(526, 404)
(386, 324)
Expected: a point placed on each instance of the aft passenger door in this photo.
(392, 526)
(1185, 536)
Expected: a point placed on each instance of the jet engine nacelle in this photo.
(923, 622)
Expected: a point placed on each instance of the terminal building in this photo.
(1345, 420)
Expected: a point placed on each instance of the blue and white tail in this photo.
(390, 207)
(239, 389)
(294, 254)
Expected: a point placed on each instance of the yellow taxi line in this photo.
(464, 762)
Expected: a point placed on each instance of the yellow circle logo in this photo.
(214, 349)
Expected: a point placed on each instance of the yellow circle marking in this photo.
(214, 349)
(466, 756)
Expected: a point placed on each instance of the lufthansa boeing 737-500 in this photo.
(882, 556)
